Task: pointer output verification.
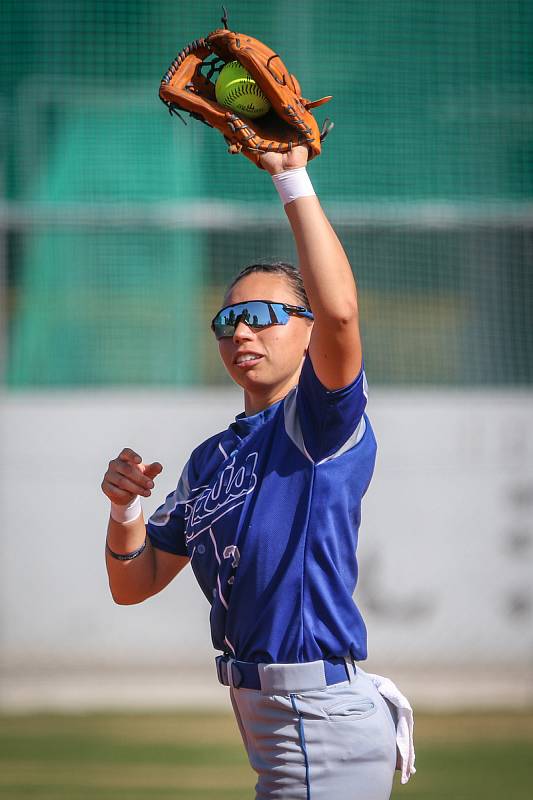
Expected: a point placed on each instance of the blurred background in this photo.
(120, 228)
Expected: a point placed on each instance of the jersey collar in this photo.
(244, 425)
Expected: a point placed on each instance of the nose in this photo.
(243, 333)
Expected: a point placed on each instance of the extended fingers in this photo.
(115, 494)
(128, 485)
(127, 454)
(151, 470)
(129, 477)
(125, 477)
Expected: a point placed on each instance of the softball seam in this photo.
(252, 88)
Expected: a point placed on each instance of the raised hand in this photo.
(128, 476)
(279, 162)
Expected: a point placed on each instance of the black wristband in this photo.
(126, 556)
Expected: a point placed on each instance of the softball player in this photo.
(267, 513)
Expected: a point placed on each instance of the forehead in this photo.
(262, 286)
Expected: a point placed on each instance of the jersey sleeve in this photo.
(166, 526)
(331, 421)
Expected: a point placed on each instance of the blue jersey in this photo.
(268, 512)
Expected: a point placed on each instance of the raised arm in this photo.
(335, 346)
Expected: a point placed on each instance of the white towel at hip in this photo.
(404, 723)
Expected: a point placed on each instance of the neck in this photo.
(258, 401)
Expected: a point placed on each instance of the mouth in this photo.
(247, 360)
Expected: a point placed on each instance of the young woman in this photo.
(267, 513)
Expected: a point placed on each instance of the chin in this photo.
(249, 381)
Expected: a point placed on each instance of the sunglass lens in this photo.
(256, 314)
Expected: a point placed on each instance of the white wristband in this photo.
(293, 183)
(126, 513)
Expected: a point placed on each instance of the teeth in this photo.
(247, 357)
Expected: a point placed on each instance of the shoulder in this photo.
(311, 385)
(328, 422)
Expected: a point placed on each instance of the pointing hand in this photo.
(128, 476)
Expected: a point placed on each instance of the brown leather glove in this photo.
(187, 86)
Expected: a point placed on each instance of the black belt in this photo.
(245, 674)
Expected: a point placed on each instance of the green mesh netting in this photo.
(100, 305)
(428, 176)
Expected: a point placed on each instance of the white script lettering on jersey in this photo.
(228, 492)
(232, 551)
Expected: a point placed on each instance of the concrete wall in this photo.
(446, 541)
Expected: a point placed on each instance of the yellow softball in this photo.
(236, 89)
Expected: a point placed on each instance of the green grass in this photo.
(187, 756)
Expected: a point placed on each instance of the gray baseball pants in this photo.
(332, 743)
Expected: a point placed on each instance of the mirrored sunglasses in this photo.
(257, 314)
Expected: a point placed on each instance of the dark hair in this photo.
(288, 271)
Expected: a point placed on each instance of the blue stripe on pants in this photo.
(301, 732)
(349, 738)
